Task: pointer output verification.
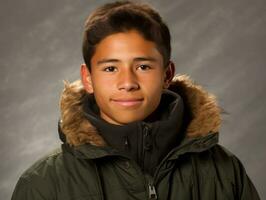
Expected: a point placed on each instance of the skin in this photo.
(127, 77)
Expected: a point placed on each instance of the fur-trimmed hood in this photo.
(201, 105)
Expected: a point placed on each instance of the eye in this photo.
(144, 67)
(110, 69)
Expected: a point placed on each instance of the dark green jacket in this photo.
(85, 168)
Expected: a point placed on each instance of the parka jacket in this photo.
(87, 168)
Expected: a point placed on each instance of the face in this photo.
(127, 77)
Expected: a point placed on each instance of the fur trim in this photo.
(202, 106)
(74, 125)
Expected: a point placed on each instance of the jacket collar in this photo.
(201, 107)
(191, 145)
(156, 137)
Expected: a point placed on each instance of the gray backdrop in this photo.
(220, 44)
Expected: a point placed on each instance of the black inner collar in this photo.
(147, 141)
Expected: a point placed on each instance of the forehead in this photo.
(125, 45)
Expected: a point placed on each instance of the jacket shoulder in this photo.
(216, 163)
(229, 166)
(38, 181)
(226, 164)
(59, 175)
(223, 157)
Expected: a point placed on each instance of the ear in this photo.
(86, 78)
(169, 74)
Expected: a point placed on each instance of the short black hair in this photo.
(123, 16)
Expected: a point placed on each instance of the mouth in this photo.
(128, 102)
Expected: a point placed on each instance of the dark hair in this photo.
(123, 16)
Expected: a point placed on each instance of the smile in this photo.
(127, 102)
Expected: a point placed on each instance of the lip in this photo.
(127, 102)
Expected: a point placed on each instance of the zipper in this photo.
(145, 131)
(146, 146)
(152, 192)
(100, 184)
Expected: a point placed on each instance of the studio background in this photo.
(220, 44)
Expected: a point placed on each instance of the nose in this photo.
(128, 81)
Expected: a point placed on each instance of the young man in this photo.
(130, 129)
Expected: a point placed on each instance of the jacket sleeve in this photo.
(25, 190)
(245, 190)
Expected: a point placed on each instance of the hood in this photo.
(201, 106)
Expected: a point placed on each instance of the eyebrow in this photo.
(151, 59)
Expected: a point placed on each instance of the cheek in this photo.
(153, 91)
(101, 84)
(101, 93)
(101, 90)
(153, 84)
